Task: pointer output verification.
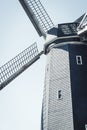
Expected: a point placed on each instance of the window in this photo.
(59, 94)
(79, 60)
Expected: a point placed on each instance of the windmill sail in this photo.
(82, 28)
(79, 19)
(18, 64)
(38, 16)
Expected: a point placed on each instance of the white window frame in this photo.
(79, 60)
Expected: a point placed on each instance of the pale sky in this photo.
(21, 100)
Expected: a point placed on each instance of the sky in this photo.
(21, 100)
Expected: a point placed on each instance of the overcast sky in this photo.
(21, 100)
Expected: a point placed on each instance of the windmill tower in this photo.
(64, 99)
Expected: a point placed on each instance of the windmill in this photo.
(65, 43)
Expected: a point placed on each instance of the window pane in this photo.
(59, 94)
(79, 60)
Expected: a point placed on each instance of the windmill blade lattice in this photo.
(37, 15)
(18, 64)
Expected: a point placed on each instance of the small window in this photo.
(59, 94)
(79, 60)
(47, 69)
